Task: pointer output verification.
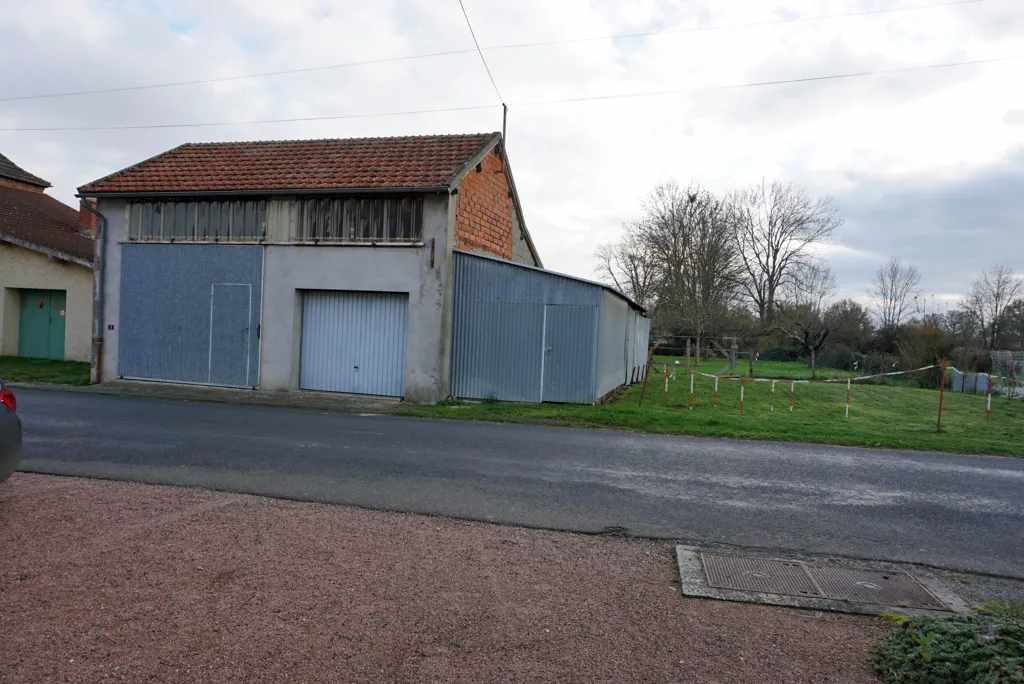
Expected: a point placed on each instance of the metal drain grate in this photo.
(881, 588)
(794, 578)
(755, 574)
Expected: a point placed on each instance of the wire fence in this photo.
(785, 390)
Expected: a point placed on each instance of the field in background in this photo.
(890, 416)
(762, 369)
(21, 369)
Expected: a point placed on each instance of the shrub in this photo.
(985, 648)
(840, 356)
(782, 354)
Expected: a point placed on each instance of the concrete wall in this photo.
(521, 253)
(394, 268)
(114, 211)
(26, 269)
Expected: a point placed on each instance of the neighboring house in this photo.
(302, 265)
(46, 277)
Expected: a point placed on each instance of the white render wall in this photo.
(290, 269)
(114, 211)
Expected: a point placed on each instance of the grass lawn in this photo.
(880, 415)
(21, 369)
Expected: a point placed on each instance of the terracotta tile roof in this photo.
(9, 169)
(42, 221)
(343, 164)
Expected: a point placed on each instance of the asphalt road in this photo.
(960, 512)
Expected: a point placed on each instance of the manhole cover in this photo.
(755, 574)
(793, 578)
(866, 586)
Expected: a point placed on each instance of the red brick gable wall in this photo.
(483, 219)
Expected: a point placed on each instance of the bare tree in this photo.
(776, 227)
(698, 262)
(893, 291)
(628, 266)
(690, 238)
(990, 296)
(802, 310)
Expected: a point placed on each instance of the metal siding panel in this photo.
(497, 351)
(230, 333)
(613, 353)
(165, 314)
(498, 335)
(569, 353)
(354, 342)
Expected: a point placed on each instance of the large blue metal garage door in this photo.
(190, 314)
(354, 342)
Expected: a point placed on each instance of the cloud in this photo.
(950, 228)
(905, 155)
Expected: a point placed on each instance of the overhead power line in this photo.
(589, 98)
(761, 84)
(481, 53)
(513, 46)
(261, 121)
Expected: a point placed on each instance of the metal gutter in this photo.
(555, 273)
(271, 193)
(101, 262)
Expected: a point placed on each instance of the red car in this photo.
(10, 433)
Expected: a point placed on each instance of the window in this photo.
(227, 221)
(296, 219)
(360, 219)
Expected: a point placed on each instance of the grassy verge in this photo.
(888, 416)
(21, 369)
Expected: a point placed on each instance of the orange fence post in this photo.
(716, 390)
(691, 391)
(792, 391)
(848, 397)
(773, 397)
(942, 389)
(742, 380)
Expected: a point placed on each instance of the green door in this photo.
(41, 324)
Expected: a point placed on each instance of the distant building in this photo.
(46, 280)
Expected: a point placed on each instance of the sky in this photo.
(925, 165)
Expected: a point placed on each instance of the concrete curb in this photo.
(310, 401)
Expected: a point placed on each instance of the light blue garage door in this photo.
(354, 342)
(190, 314)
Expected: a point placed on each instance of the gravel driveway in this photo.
(105, 581)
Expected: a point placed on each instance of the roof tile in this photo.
(41, 220)
(9, 169)
(341, 164)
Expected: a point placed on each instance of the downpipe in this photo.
(101, 262)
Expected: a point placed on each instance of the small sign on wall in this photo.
(110, 327)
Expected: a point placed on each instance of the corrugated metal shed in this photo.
(525, 334)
